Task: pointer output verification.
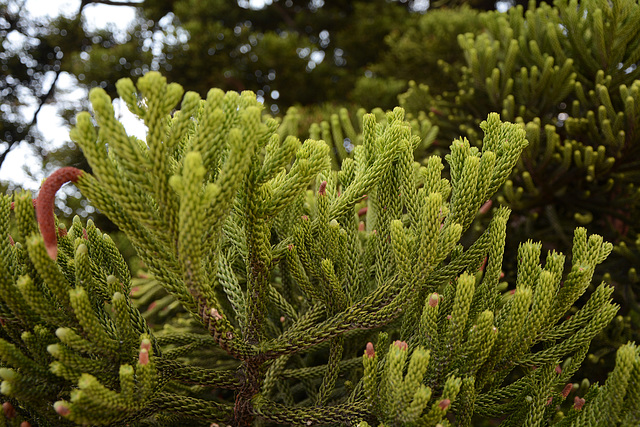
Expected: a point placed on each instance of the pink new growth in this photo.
(434, 299)
(558, 369)
(369, 351)
(361, 226)
(578, 403)
(8, 410)
(444, 404)
(363, 211)
(215, 314)
(143, 357)
(145, 344)
(61, 408)
(486, 207)
(44, 205)
(401, 345)
(566, 390)
(322, 190)
(484, 263)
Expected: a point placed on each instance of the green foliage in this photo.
(415, 52)
(64, 322)
(274, 291)
(569, 73)
(343, 131)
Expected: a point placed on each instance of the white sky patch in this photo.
(97, 15)
(48, 8)
(132, 124)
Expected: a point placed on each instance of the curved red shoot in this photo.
(44, 205)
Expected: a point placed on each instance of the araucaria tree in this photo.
(570, 73)
(348, 303)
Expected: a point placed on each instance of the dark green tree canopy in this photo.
(288, 52)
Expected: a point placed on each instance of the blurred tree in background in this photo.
(288, 52)
(32, 58)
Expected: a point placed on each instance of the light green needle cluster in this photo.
(270, 271)
(343, 134)
(68, 321)
(402, 398)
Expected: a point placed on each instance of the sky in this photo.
(49, 123)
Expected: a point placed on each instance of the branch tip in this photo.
(8, 409)
(322, 190)
(444, 404)
(62, 408)
(402, 345)
(143, 357)
(370, 352)
(44, 205)
(434, 299)
(566, 390)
